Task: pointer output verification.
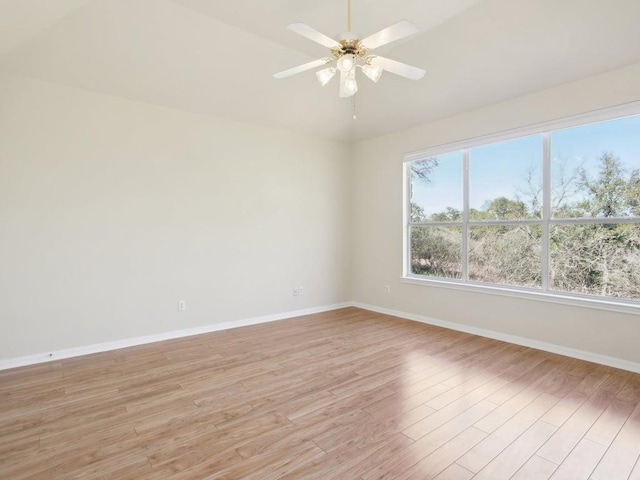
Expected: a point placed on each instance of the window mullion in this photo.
(407, 217)
(465, 215)
(546, 208)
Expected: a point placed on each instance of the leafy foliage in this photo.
(610, 193)
(436, 251)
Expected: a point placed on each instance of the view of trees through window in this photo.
(498, 225)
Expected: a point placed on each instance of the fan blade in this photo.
(302, 68)
(312, 34)
(402, 69)
(390, 34)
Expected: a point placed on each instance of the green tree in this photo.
(436, 251)
(503, 208)
(600, 259)
(610, 193)
(417, 213)
(450, 214)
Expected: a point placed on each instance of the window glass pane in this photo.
(595, 170)
(505, 180)
(596, 259)
(508, 255)
(594, 174)
(436, 251)
(436, 188)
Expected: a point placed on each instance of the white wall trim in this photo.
(159, 337)
(526, 342)
(631, 307)
(594, 116)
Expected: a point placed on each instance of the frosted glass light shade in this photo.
(374, 72)
(346, 62)
(350, 85)
(325, 75)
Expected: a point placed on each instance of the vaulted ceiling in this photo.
(217, 56)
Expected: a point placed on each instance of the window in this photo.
(554, 213)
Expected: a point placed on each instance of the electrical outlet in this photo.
(295, 291)
(300, 290)
(182, 305)
(387, 288)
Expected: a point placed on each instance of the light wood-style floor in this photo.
(343, 395)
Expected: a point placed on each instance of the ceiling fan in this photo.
(349, 53)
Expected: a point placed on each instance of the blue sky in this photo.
(501, 169)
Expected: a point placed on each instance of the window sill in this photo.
(628, 307)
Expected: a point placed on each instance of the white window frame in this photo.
(543, 294)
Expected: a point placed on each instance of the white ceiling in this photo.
(217, 57)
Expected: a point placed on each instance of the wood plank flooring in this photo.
(348, 394)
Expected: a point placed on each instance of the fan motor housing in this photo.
(350, 45)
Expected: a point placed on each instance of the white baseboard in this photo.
(159, 337)
(131, 342)
(525, 342)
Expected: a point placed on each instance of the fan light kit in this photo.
(350, 53)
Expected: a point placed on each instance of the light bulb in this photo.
(350, 85)
(325, 75)
(346, 62)
(372, 71)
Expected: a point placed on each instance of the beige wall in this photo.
(111, 211)
(377, 224)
